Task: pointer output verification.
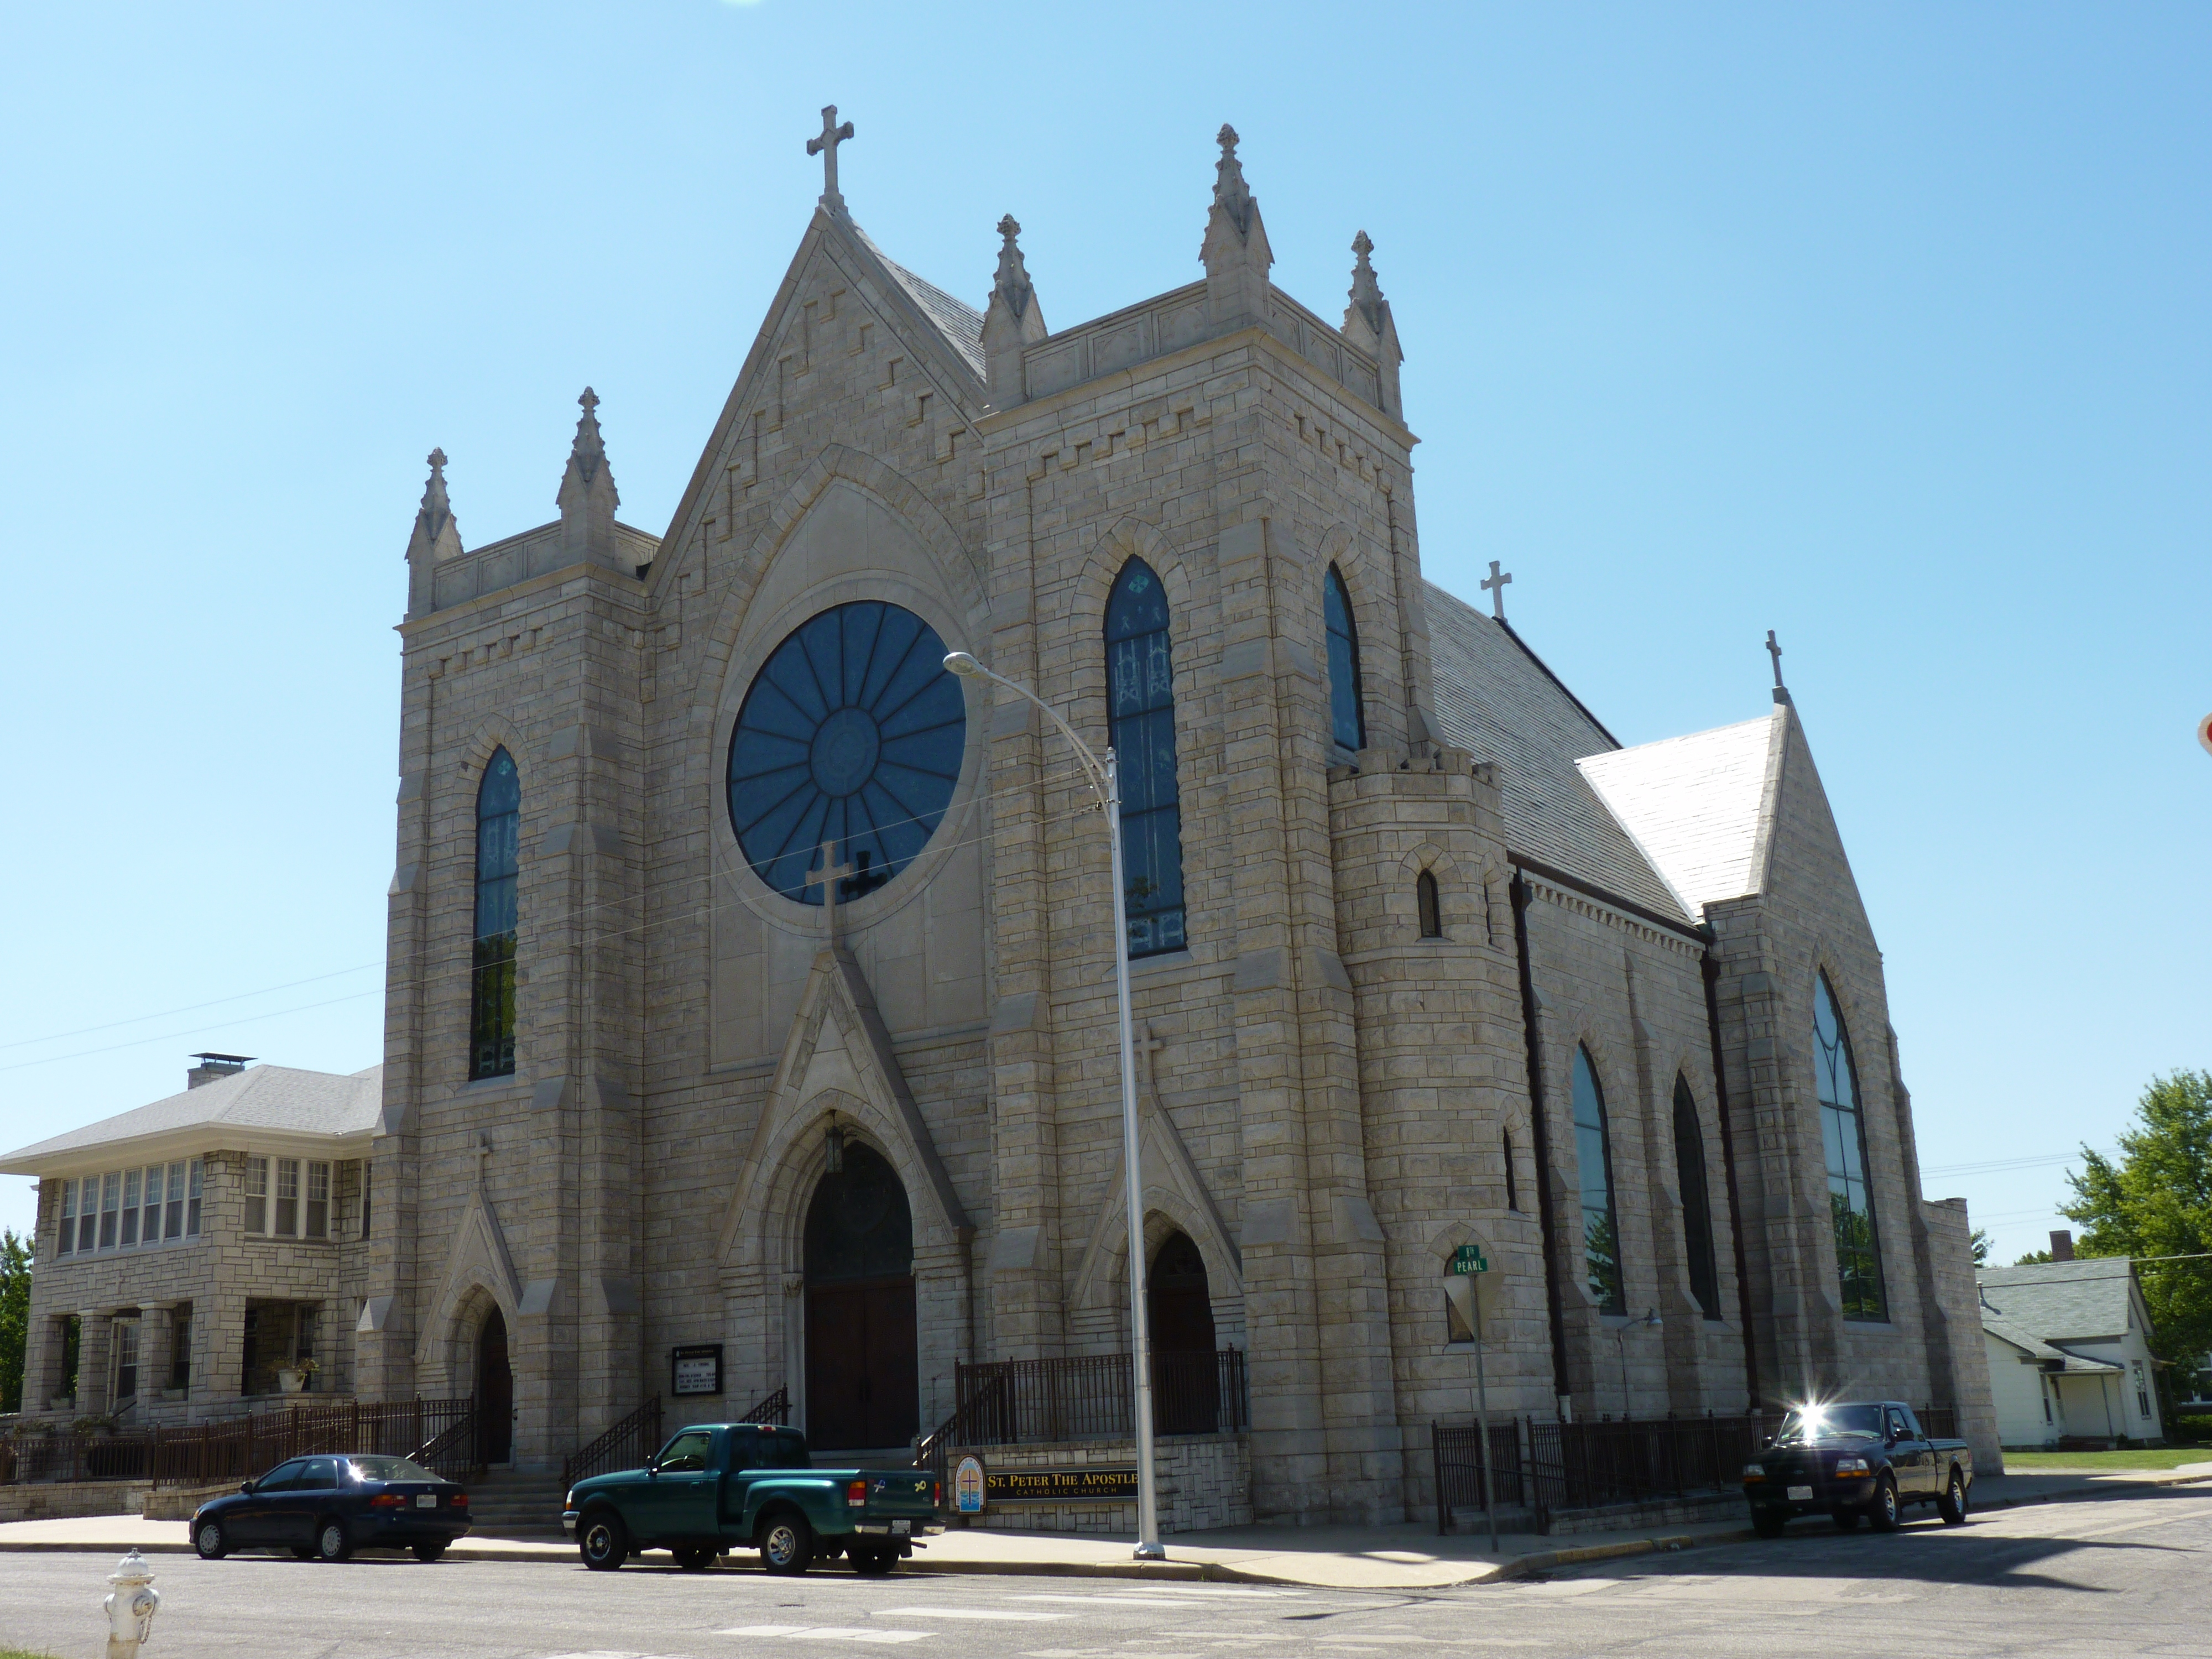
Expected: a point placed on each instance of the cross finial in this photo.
(1495, 586)
(826, 148)
(831, 876)
(589, 401)
(1774, 651)
(437, 460)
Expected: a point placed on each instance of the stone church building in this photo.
(1423, 958)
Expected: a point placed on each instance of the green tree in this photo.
(1979, 1241)
(2156, 1200)
(15, 1316)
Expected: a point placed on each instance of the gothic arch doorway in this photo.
(494, 1392)
(1179, 1313)
(862, 1381)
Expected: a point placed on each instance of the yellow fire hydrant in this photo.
(130, 1606)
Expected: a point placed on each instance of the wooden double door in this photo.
(862, 1384)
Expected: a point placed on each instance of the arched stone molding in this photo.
(1445, 1243)
(479, 1271)
(1172, 1188)
(490, 737)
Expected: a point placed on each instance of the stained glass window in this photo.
(1347, 724)
(1843, 1138)
(851, 732)
(491, 981)
(1140, 694)
(1697, 1208)
(1593, 1159)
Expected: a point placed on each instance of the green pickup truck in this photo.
(718, 1485)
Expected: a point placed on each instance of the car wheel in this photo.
(603, 1541)
(333, 1542)
(209, 1541)
(429, 1552)
(872, 1560)
(1952, 1505)
(786, 1543)
(694, 1559)
(1845, 1520)
(1884, 1511)
(1768, 1524)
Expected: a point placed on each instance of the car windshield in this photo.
(389, 1469)
(1828, 1422)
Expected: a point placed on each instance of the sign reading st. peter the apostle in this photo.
(1060, 1485)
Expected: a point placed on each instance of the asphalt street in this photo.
(2107, 1578)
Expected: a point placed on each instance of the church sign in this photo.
(696, 1368)
(1048, 1485)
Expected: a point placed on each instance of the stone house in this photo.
(2069, 1353)
(191, 1252)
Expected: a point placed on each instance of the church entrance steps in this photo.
(516, 1504)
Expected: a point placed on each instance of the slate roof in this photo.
(267, 1097)
(960, 323)
(1694, 805)
(2054, 1359)
(2059, 1301)
(1495, 698)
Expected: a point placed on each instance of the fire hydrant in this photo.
(130, 1606)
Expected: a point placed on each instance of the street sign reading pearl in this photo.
(1469, 1259)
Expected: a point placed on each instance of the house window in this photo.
(126, 1359)
(2142, 1393)
(175, 1224)
(111, 1195)
(319, 1201)
(1843, 1135)
(1140, 702)
(1426, 907)
(87, 1208)
(1594, 1160)
(1697, 1208)
(257, 1195)
(129, 1208)
(1512, 1189)
(1346, 724)
(151, 1232)
(491, 980)
(65, 1241)
(180, 1351)
(192, 1201)
(2043, 1388)
(288, 1198)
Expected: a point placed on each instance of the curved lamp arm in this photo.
(964, 665)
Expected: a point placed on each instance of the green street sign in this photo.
(1468, 1259)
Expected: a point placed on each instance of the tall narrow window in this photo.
(87, 1206)
(180, 1347)
(126, 1359)
(1594, 1160)
(288, 1197)
(151, 1232)
(1697, 1208)
(1426, 907)
(319, 1200)
(129, 1207)
(1843, 1136)
(1140, 694)
(491, 981)
(174, 1227)
(368, 1179)
(1512, 1189)
(192, 1201)
(111, 1193)
(257, 1195)
(66, 1242)
(1347, 724)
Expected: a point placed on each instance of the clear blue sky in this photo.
(1885, 327)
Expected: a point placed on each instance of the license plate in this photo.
(426, 1500)
(1801, 1494)
(902, 1527)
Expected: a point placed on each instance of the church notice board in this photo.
(696, 1368)
(1051, 1485)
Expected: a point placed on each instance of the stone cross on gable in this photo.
(826, 148)
(1774, 652)
(1146, 1045)
(832, 875)
(1495, 588)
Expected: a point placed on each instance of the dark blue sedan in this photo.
(329, 1507)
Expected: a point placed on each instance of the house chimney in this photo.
(213, 1068)
(2062, 1244)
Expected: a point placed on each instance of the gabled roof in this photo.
(274, 1100)
(1696, 806)
(2034, 1347)
(2062, 1301)
(1495, 698)
(960, 323)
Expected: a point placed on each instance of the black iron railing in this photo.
(625, 1446)
(774, 1408)
(1092, 1397)
(440, 1432)
(1457, 1455)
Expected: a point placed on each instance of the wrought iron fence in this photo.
(625, 1446)
(439, 1433)
(1457, 1455)
(775, 1409)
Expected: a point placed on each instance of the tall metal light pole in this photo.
(1101, 776)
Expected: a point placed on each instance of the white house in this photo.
(2069, 1350)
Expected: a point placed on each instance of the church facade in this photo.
(752, 978)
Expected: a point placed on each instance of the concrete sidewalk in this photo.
(1404, 1556)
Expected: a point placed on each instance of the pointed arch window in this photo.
(1140, 698)
(1427, 905)
(1843, 1138)
(1594, 1162)
(491, 977)
(1347, 724)
(1696, 1206)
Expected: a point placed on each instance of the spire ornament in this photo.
(1230, 193)
(1236, 254)
(436, 538)
(587, 497)
(1367, 324)
(1012, 320)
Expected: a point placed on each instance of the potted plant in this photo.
(293, 1378)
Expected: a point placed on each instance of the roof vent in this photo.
(213, 1068)
(2062, 1244)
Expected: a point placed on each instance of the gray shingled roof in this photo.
(1495, 699)
(2060, 1302)
(2053, 1360)
(1693, 804)
(960, 323)
(269, 1098)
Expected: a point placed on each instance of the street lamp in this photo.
(1100, 772)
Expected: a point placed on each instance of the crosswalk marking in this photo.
(970, 1613)
(1149, 1601)
(828, 1634)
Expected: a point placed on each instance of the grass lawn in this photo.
(2039, 1463)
